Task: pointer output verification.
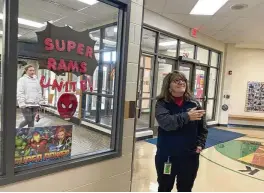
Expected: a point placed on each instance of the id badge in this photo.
(167, 167)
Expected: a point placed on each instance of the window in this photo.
(212, 82)
(186, 50)
(214, 59)
(68, 92)
(202, 78)
(148, 40)
(167, 46)
(210, 110)
(165, 67)
(202, 55)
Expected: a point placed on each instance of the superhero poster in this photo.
(42, 144)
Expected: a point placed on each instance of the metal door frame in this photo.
(140, 88)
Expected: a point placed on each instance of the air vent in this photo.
(238, 7)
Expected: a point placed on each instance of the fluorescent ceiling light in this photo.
(30, 23)
(89, 2)
(207, 7)
(18, 35)
(105, 41)
(170, 43)
(27, 22)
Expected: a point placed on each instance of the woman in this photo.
(182, 134)
(29, 96)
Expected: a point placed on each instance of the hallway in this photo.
(218, 172)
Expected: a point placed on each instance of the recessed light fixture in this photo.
(89, 2)
(239, 7)
(26, 22)
(18, 35)
(207, 7)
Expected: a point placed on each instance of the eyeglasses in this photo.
(180, 81)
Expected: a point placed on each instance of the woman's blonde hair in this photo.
(26, 68)
(165, 93)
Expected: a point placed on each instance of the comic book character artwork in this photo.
(21, 143)
(67, 105)
(39, 144)
(62, 139)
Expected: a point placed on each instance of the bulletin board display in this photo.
(255, 97)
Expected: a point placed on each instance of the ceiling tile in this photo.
(176, 17)
(99, 9)
(178, 6)
(155, 5)
(218, 22)
(195, 21)
(48, 5)
(42, 16)
(74, 4)
(240, 24)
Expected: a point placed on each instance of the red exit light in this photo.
(194, 32)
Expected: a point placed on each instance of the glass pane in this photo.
(167, 46)
(110, 38)
(145, 76)
(89, 107)
(106, 112)
(165, 67)
(147, 81)
(212, 83)
(210, 110)
(148, 40)
(202, 55)
(187, 50)
(186, 71)
(143, 113)
(214, 59)
(62, 72)
(199, 83)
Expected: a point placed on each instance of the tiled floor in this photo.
(218, 172)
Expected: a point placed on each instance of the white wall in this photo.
(246, 65)
(165, 24)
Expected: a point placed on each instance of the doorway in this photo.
(196, 76)
(145, 88)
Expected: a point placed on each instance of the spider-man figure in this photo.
(67, 105)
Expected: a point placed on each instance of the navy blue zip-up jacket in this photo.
(177, 135)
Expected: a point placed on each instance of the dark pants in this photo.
(29, 114)
(184, 168)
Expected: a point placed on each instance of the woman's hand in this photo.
(199, 149)
(196, 115)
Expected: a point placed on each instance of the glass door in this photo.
(165, 66)
(187, 70)
(145, 91)
(196, 76)
(200, 84)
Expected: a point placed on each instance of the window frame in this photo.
(156, 54)
(9, 84)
